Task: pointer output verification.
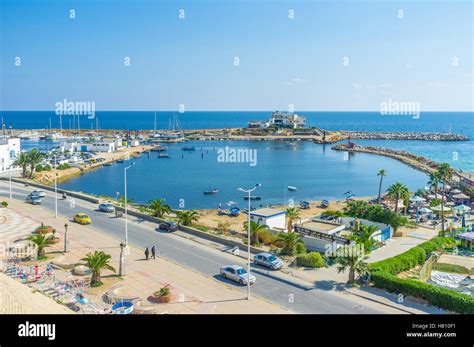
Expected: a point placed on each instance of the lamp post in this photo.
(125, 196)
(10, 180)
(66, 239)
(55, 187)
(248, 236)
(122, 259)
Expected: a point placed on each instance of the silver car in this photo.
(108, 208)
(237, 273)
(268, 260)
(38, 193)
(33, 199)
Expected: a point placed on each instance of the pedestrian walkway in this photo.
(193, 292)
(14, 226)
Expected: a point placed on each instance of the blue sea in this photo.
(316, 170)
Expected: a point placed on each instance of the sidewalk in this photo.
(193, 292)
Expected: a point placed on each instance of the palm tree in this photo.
(398, 191)
(445, 174)
(159, 207)
(22, 161)
(41, 241)
(255, 229)
(292, 213)
(34, 158)
(352, 260)
(434, 181)
(382, 173)
(97, 261)
(364, 237)
(356, 208)
(289, 241)
(187, 217)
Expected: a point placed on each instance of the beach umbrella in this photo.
(462, 208)
(438, 208)
(424, 210)
(417, 198)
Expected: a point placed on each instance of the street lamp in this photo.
(122, 259)
(248, 236)
(66, 239)
(126, 214)
(55, 187)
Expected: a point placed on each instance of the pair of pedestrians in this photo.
(153, 253)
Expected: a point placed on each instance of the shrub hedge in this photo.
(383, 276)
(437, 296)
(311, 259)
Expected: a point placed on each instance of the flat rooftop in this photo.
(267, 212)
(321, 226)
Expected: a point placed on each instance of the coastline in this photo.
(417, 162)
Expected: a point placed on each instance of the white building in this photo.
(9, 150)
(272, 218)
(287, 120)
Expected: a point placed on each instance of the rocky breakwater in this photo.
(372, 135)
(417, 162)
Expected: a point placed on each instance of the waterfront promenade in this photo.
(272, 287)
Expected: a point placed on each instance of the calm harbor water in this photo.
(316, 170)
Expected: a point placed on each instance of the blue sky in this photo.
(282, 61)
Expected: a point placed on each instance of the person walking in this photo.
(147, 253)
(153, 252)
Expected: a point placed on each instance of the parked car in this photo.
(237, 273)
(33, 199)
(268, 260)
(38, 193)
(168, 226)
(108, 208)
(82, 218)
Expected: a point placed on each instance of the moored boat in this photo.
(213, 191)
(292, 188)
(253, 198)
(163, 155)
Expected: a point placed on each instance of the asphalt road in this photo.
(272, 286)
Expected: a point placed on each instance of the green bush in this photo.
(383, 276)
(63, 166)
(39, 168)
(437, 296)
(375, 213)
(311, 259)
(4, 204)
(411, 258)
(266, 237)
(300, 248)
(47, 167)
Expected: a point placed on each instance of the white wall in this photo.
(8, 147)
(278, 221)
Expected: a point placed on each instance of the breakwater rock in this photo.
(422, 136)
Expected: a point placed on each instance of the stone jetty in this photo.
(415, 161)
(421, 136)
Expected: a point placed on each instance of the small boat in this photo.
(107, 164)
(324, 203)
(163, 155)
(188, 148)
(304, 205)
(159, 149)
(234, 211)
(213, 191)
(253, 198)
(292, 188)
(120, 160)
